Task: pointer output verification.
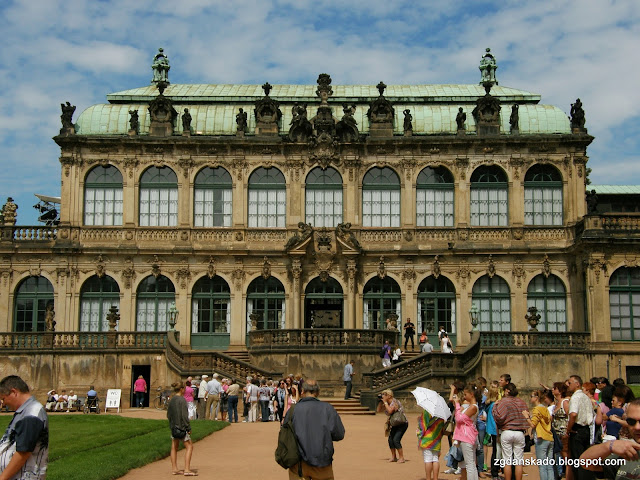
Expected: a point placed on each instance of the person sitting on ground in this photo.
(61, 403)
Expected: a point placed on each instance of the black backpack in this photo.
(383, 352)
(287, 454)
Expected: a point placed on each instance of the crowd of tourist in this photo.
(561, 421)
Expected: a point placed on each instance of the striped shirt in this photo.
(508, 414)
(429, 431)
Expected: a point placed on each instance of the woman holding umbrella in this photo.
(430, 429)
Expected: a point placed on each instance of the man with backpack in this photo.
(385, 354)
(316, 425)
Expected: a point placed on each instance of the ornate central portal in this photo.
(323, 304)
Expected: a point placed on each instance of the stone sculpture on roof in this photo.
(66, 118)
(304, 231)
(9, 212)
(163, 115)
(267, 113)
(577, 115)
(301, 128)
(514, 118)
(241, 122)
(160, 67)
(461, 118)
(347, 127)
(344, 233)
(381, 114)
(487, 113)
(407, 125)
(488, 67)
(186, 121)
(134, 121)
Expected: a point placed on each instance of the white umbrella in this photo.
(432, 402)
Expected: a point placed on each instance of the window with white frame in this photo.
(153, 299)
(624, 304)
(436, 305)
(32, 298)
(493, 298)
(381, 198)
(97, 296)
(267, 199)
(323, 197)
(265, 298)
(103, 196)
(489, 197)
(434, 198)
(212, 198)
(548, 295)
(158, 198)
(543, 196)
(382, 299)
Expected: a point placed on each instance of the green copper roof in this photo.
(220, 119)
(615, 189)
(307, 93)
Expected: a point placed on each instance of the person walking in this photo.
(347, 378)
(316, 425)
(392, 405)
(445, 344)
(178, 416)
(140, 390)
(386, 354)
(24, 448)
(409, 332)
(426, 346)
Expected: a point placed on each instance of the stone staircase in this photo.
(241, 355)
(348, 407)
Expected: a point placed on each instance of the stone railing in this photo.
(80, 341)
(29, 233)
(196, 362)
(605, 224)
(547, 341)
(319, 339)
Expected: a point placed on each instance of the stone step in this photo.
(239, 355)
(348, 407)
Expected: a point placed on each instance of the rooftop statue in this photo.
(134, 121)
(301, 128)
(66, 117)
(488, 67)
(267, 113)
(9, 212)
(381, 110)
(304, 231)
(514, 119)
(241, 120)
(347, 127)
(160, 67)
(186, 121)
(461, 117)
(577, 115)
(344, 233)
(408, 126)
(592, 202)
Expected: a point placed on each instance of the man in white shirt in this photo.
(202, 396)
(427, 347)
(580, 417)
(346, 377)
(214, 388)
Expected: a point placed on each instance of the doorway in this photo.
(323, 304)
(136, 371)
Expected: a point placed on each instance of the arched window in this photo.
(154, 297)
(543, 196)
(436, 305)
(549, 297)
(382, 298)
(97, 296)
(212, 198)
(434, 198)
(323, 198)
(492, 297)
(323, 304)
(211, 306)
(624, 303)
(489, 197)
(381, 198)
(265, 299)
(103, 196)
(159, 198)
(267, 199)
(33, 296)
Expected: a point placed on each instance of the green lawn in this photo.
(636, 390)
(104, 447)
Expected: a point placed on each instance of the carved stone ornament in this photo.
(347, 127)
(381, 110)
(49, 318)
(487, 114)
(113, 317)
(183, 274)
(296, 269)
(267, 113)
(155, 266)
(546, 266)
(129, 273)
(301, 128)
(305, 230)
(514, 119)
(408, 275)
(435, 268)
(352, 270)
(67, 119)
(163, 116)
(463, 274)
(324, 90)
(323, 149)
(577, 117)
(631, 261)
(491, 268)
(598, 265)
(266, 268)
(9, 212)
(238, 276)
(488, 67)
(160, 68)
(346, 237)
(382, 269)
(100, 267)
(518, 272)
(211, 268)
(186, 164)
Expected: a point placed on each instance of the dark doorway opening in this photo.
(136, 371)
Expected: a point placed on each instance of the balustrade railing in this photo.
(319, 338)
(548, 341)
(83, 340)
(32, 233)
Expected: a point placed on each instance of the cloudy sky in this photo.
(80, 50)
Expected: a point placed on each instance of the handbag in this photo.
(528, 442)
(397, 418)
(177, 432)
(449, 426)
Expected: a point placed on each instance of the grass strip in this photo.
(105, 447)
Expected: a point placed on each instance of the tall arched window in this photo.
(624, 303)
(33, 296)
(212, 198)
(549, 297)
(154, 297)
(381, 198)
(434, 198)
(492, 297)
(543, 196)
(97, 296)
(436, 305)
(323, 197)
(267, 199)
(323, 304)
(103, 196)
(382, 297)
(489, 197)
(211, 306)
(159, 198)
(265, 298)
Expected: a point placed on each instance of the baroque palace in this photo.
(280, 229)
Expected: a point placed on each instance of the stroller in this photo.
(92, 404)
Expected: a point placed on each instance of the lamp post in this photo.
(173, 315)
(473, 316)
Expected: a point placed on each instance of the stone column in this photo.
(598, 313)
(238, 309)
(296, 272)
(350, 318)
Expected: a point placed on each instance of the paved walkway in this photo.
(246, 450)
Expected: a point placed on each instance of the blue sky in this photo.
(80, 50)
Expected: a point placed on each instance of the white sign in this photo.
(113, 399)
